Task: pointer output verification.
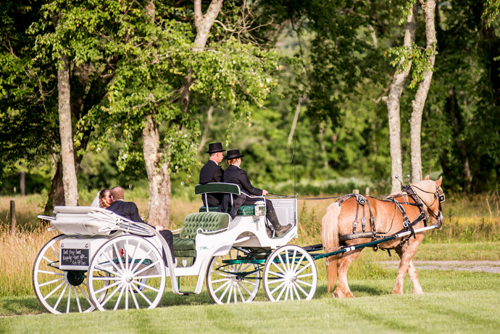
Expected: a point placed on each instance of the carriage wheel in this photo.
(130, 270)
(59, 291)
(290, 273)
(232, 282)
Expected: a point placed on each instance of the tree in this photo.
(393, 100)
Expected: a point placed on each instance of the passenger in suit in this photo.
(212, 172)
(130, 211)
(234, 174)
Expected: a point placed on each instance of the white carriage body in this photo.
(91, 227)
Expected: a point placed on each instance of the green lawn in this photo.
(454, 302)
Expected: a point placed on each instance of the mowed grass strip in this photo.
(457, 312)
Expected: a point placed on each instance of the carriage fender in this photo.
(222, 250)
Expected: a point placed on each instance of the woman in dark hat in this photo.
(212, 172)
(234, 174)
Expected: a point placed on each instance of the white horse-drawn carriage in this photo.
(104, 261)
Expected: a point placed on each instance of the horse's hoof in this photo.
(349, 295)
(394, 292)
(338, 294)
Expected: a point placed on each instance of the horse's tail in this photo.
(330, 238)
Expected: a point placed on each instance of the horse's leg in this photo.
(342, 290)
(412, 272)
(406, 253)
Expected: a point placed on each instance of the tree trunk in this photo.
(22, 184)
(56, 194)
(393, 102)
(66, 131)
(158, 175)
(207, 128)
(418, 104)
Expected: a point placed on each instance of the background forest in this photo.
(308, 86)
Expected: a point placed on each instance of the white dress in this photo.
(95, 202)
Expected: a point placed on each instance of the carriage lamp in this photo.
(260, 209)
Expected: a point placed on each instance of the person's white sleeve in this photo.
(95, 202)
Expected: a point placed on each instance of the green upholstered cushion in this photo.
(207, 221)
(184, 243)
(244, 210)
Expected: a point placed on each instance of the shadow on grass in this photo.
(10, 306)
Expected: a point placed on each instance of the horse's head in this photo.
(431, 195)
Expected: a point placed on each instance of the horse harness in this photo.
(407, 224)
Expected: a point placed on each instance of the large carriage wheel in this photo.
(59, 291)
(290, 273)
(130, 270)
(233, 282)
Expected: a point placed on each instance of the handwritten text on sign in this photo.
(74, 257)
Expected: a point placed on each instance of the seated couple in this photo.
(113, 200)
(212, 172)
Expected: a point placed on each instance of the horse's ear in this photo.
(427, 177)
(438, 182)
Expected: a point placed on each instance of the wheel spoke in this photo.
(274, 264)
(139, 263)
(61, 295)
(118, 255)
(241, 294)
(223, 285)
(302, 290)
(303, 268)
(141, 294)
(77, 300)
(133, 256)
(304, 283)
(84, 294)
(249, 282)
(276, 274)
(148, 276)
(281, 292)
(50, 273)
(296, 292)
(111, 262)
(50, 282)
(126, 297)
(244, 288)
(147, 286)
(53, 291)
(284, 266)
(107, 287)
(111, 295)
(57, 254)
(298, 263)
(230, 294)
(146, 268)
(69, 299)
(225, 290)
(135, 299)
(278, 287)
(305, 275)
(104, 278)
(119, 298)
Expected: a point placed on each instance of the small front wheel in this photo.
(290, 273)
(230, 280)
(130, 270)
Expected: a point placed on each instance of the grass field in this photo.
(454, 301)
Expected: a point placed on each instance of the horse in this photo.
(416, 206)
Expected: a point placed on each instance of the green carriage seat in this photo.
(244, 210)
(184, 242)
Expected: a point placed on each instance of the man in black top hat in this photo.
(234, 174)
(212, 172)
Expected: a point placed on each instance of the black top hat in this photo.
(233, 154)
(215, 147)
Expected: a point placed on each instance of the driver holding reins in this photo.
(234, 174)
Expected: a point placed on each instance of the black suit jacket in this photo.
(211, 172)
(126, 209)
(238, 176)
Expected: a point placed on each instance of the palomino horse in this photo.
(421, 200)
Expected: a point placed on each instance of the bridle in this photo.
(438, 196)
